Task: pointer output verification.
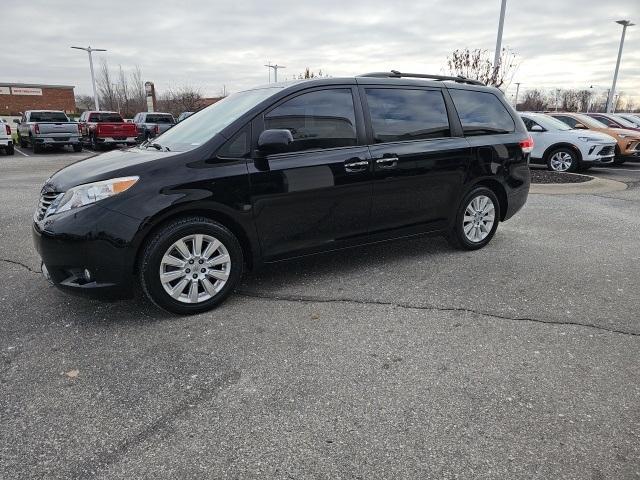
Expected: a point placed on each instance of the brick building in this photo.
(18, 97)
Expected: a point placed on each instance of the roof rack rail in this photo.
(397, 74)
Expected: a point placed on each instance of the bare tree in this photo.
(106, 90)
(180, 99)
(308, 73)
(84, 102)
(534, 100)
(478, 64)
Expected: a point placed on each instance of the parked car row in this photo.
(572, 142)
(39, 129)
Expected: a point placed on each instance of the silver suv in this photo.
(152, 124)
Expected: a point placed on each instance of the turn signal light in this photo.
(527, 145)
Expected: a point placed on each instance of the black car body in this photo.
(374, 158)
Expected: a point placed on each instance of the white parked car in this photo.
(564, 149)
(6, 141)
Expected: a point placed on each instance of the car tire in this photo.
(476, 220)
(182, 250)
(22, 142)
(95, 146)
(563, 160)
(77, 148)
(35, 146)
(9, 149)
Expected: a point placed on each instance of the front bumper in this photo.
(599, 153)
(70, 243)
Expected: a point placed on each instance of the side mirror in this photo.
(274, 141)
(536, 128)
(580, 126)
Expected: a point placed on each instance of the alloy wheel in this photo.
(478, 219)
(195, 268)
(561, 161)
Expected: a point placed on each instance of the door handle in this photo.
(387, 162)
(356, 166)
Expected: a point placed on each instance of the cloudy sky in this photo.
(211, 44)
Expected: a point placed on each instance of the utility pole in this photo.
(93, 78)
(517, 92)
(115, 91)
(496, 58)
(275, 71)
(268, 65)
(625, 24)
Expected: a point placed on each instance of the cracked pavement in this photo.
(398, 360)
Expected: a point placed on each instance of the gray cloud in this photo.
(569, 43)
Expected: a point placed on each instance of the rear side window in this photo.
(320, 119)
(481, 113)
(404, 114)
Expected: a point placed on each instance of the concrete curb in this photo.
(595, 185)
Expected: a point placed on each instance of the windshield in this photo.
(105, 117)
(623, 121)
(205, 124)
(48, 117)
(589, 122)
(550, 123)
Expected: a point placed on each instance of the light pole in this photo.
(275, 71)
(93, 78)
(625, 24)
(517, 92)
(496, 58)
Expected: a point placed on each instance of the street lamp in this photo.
(496, 58)
(517, 92)
(625, 24)
(93, 78)
(275, 71)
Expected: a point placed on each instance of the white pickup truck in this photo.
(6, 141)
(47, 128)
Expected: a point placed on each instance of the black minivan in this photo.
(282, 171)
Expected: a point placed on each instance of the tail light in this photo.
(156, 130)
(7, 128)
(36, 128)
(527, 145)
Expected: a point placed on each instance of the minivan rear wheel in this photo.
(476, 220)
(191, 265)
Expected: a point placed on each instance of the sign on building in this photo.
(5, 91)
(26, 91)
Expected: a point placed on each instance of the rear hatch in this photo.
(117, 130)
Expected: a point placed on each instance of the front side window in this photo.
(607, 121)
(407, 114)
(481, 113)
(320, 119)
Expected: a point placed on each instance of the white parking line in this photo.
(20, 151)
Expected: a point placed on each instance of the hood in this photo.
(117, 163)
(623, 131)
(600, 135)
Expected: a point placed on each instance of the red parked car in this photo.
(99, 129)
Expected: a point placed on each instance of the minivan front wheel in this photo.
(191, 265)
(476, 220)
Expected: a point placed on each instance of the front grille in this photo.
(606, 150)
(45, 200)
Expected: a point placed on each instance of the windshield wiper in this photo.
(157, 146)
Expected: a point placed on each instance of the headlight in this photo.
(589, 139)
(90, 193)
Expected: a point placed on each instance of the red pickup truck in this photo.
(99, 129)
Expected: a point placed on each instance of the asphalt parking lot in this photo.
(403, 360)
